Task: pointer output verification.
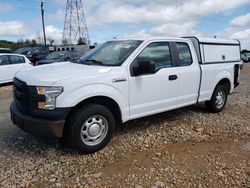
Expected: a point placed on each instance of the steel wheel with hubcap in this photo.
(218, 100)
(91, 127)
(94, 130)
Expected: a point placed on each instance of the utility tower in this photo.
(75, 27)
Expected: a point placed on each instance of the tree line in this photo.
(33, 43)
(18, 44)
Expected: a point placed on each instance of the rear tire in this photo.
(91, 128)
(218, 100)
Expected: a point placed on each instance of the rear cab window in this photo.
(184, 54)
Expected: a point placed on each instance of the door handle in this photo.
(172, 77)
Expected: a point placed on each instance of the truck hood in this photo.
(47, 75)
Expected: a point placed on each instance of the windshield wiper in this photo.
(94, 62)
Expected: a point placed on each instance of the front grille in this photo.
(21, 95)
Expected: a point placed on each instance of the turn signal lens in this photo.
(40, 90)
(41, 105)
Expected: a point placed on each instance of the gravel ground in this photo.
(188, 147)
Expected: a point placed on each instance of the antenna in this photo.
(75, 27)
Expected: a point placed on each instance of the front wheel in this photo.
(218, 100)
(91, 128)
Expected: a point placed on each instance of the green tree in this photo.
(33, 43)
(27, 42)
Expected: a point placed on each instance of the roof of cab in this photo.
(200, 39)
(149, 38)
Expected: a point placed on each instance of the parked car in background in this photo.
(5, 50)
(243, 57)
(34, 54)
(59, 57)
(10, 64)
(247, 56)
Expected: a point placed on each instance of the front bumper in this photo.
(36, 126)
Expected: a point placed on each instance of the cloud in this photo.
(170, 30)
(161, 17)
(238, 28)
(4, 7)
(13, 28)
(165, 17)
(244, 37)
(59, 2)
(57, 16)
(241, 20)
(52, 32)
(157, 12)
(245, 34)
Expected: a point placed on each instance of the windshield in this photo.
(24, 51)
(56, 55)
(248, 54)
(111, 53)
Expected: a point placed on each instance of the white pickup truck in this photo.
(123, 80)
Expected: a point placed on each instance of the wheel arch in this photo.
(225, 78)
(226, 83)
(108, 102)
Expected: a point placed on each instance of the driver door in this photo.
(156, 92)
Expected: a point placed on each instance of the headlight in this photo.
(50, 94)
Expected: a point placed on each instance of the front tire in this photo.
(91, 128)
(218, 100)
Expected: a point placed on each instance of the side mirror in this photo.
(144, 67)
(1, 61)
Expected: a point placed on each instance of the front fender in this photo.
(72, 98)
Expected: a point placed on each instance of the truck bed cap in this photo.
(215, 40)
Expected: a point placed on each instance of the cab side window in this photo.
(16, 60)
(184, 54)
(159, 53)
(4, 60)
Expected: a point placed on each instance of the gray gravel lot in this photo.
(188, 147)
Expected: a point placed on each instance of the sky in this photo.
(106, 19)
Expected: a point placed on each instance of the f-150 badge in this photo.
(119, 80)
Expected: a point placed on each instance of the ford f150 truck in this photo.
(123, 80)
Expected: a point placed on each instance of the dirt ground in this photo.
(188, 147)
